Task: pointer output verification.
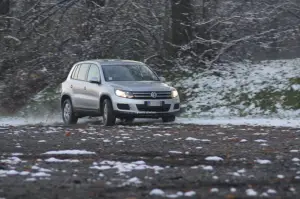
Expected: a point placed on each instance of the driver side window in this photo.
(93, 74)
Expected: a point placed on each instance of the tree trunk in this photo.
(4, 10)
(4, 7)
(182, 13)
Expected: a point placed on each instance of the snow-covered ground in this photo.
(266, 89)
(200, 121)
(17, 121)
(242, 121)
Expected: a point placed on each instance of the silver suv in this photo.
(116, 89)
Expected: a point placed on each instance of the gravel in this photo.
(149, 160)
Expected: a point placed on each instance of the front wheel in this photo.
(109, 118)
(170, 118)
(67, 113)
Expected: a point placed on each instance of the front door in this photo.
(79, 87)
(93, 87)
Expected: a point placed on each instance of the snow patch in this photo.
(191, 139)
(134, 180)
(280, 176)
(30, 179)
(70, 152)
(260, 141)
(263, 161)
(232, 190)
(214, 190)
(59, 160)
(175, 152)
(17, 154)
(176, 195)
(271, 191)
(12, 172)
(207, 168)
(157, 192)
(123, 167)
(12, 160)
(214, 158)
(251, 192)
(190, 193)
(24, 173)
(40, 174)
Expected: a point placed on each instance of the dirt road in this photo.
(149, 160)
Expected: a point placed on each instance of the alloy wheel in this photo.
(67, 111)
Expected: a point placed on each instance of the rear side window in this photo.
(75, 72)
(83, 71)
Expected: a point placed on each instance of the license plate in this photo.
(154, 103)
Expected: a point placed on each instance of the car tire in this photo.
(68, 113)
(109, 118)
(170, 118)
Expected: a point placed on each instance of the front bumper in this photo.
(138, 107)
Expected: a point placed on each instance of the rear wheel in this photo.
(170, 118)
(67, 113)
(109, 119)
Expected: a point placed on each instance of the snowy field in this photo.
(266, 89)
(14, 121)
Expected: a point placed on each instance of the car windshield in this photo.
(128, 73)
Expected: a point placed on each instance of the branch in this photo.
(7, 17)
(235, 42)
(13, 38)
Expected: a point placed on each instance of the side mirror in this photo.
(95, 82)
(162, 79)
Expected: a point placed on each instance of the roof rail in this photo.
(111, 59)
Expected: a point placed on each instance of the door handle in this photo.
(84, 88)
(71, 86)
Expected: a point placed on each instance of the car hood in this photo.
(140, 86)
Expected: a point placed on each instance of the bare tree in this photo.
(237, 30)
(39, 40)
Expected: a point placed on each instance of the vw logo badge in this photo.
(153, 94)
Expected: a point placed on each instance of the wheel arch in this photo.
(102, 98)
(63, 98)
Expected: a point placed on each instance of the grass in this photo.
(268, 100)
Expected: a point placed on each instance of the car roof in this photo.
(113, 61)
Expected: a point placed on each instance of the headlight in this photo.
(174, 93)
(124, 94)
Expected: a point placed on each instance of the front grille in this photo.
(143, 107)
(147, 95)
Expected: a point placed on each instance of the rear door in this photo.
(72, 83)
(79, 87)
(93, 89)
